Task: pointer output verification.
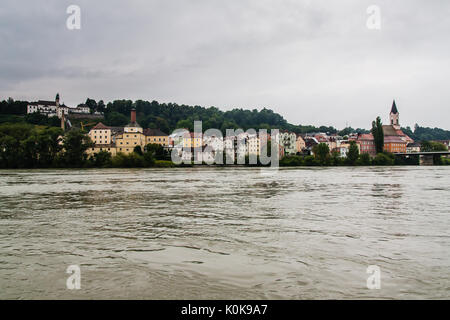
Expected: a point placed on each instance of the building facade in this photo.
(366, 144)
(124, 140)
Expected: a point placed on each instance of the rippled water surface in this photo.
(210, 233)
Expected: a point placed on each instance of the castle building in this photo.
(55, 108)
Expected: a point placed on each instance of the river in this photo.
(225, 233)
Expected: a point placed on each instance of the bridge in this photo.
(425, 158)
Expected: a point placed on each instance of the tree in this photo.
(157, 151)
(336, 159)
(321, 153)
(353, 153)
(101, 159)
(378, 135)
(116, 119)
(427, 146)
(364, 159)
(92, 104)
(138, 150)
(101, 106)
(75, 144)
(384, 159)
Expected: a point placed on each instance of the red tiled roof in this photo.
(366, 136)
(101, 126)
(393, 139)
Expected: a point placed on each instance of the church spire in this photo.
(394, 108)
(394, 116)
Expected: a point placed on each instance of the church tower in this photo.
(394, 117)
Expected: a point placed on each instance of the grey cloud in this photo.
(312, 61)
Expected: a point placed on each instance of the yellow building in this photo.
(100, 134)
(156, 136)
(124, 140)
(189, 141)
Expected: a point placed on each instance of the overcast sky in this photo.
(314, 62)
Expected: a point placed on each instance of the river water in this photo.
(225, 233)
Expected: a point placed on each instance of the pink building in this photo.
(367, 144)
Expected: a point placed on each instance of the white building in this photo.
(54, 108)
(288, 140)
(253, 145)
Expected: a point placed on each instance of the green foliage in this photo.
(322, 153)
(426, 134)
(378, 135)
(26, 146)
(412, 160)
(348, 130)
(169, 116)
(13, 107)
(384, 159)
(353, 153)
(42, 119)
(102, 159)
(8, 118)
(138, 150)
(311, 161)
(133, 160)
(431, 146)
(335, 159)
(157, 151)
(292, 161)
(427, 146)
(364, 160)
(164, 164)
(116, 119)
(75, 143)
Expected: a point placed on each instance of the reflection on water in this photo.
(225, 233)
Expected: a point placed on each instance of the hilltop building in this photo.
(54, 108)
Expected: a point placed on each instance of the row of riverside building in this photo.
(125, 139)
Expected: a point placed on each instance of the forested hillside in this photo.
(169, 116)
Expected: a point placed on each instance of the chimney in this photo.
(133, 115)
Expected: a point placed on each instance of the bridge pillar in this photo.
(426, 160)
